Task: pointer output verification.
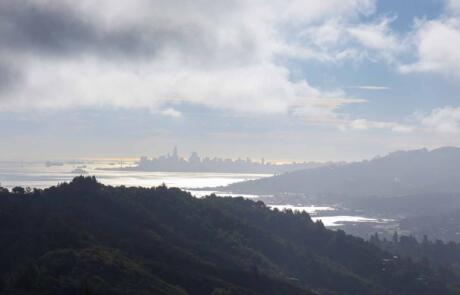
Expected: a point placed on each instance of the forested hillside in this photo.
(87, 238)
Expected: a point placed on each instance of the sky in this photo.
(280, 79)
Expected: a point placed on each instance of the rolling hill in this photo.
(86, 238)
(399, 173)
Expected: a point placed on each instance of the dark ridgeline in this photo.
(397, 174)
(175, 163)
(87, 238)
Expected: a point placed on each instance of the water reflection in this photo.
(201, 194)
(331, 221)
(38, 175)
(309, 209)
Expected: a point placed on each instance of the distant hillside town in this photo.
(194, 163)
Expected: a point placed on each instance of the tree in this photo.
(425, 240)
(395, 237)
(220, 291)
(18, 190)
(375, 239)
(3, 190)
(85, 289)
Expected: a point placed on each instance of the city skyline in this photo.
(175, 162)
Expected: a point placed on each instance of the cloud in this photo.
(377, 36)
(431, 46)
(444, 120)
(453, 6)
(339, 39)
(439, 121)
(345, 122)
(436, 43)
(148, 54)
(170, 112)
(364, 124)
(9, 76)
(369, 87)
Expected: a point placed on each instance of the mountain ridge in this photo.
(398, 173)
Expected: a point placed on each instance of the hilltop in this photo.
(86, 238)
(397, 174)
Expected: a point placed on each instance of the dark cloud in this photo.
(45, 28)
(10, 78)
(59, 30)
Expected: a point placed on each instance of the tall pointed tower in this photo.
(175, 154)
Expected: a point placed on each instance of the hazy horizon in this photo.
(186, 154)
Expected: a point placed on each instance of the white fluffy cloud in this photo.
(338, 39)
(364, 124)
(155, 54)
(436, 43)
(453, 6)
(379, 37)
(171, 113)
(445, 119)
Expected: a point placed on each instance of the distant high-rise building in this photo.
(143, 160)
(175, 154)
(194, 159)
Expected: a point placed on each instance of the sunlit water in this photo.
(201, 194)
(38, 175)
(312, 210)
(329, 220)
